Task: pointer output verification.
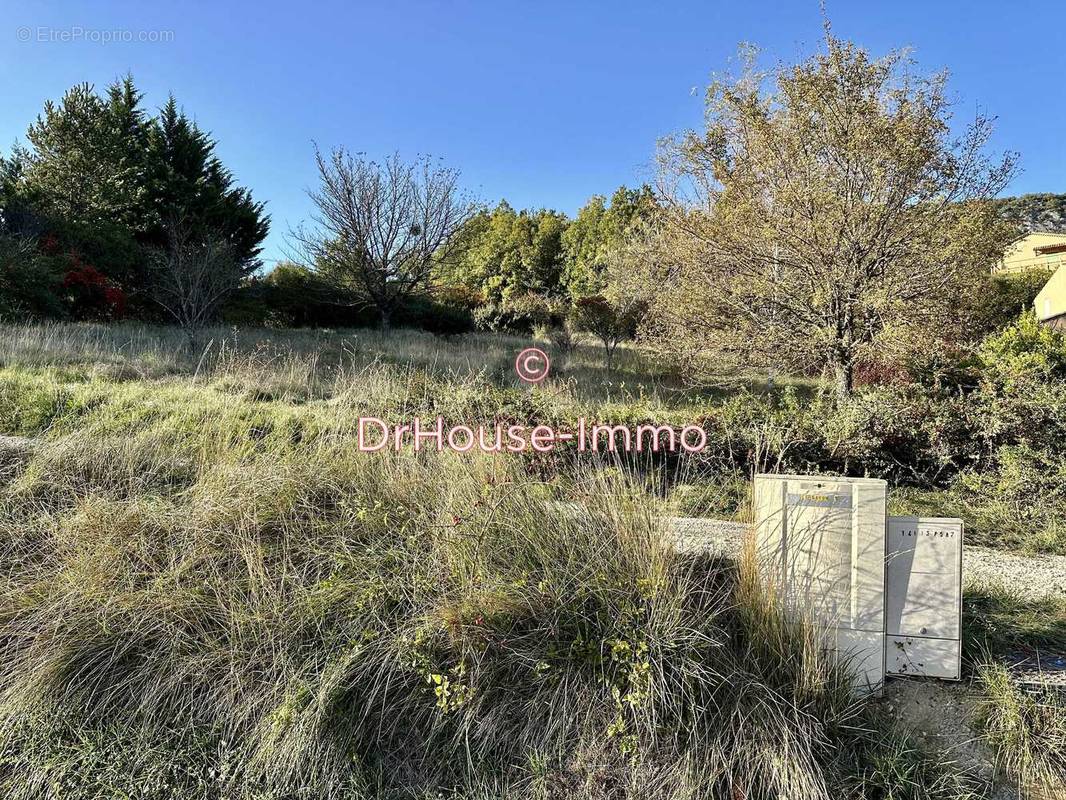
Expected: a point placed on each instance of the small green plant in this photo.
(1026, 728)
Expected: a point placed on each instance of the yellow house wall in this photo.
(1051, 302)
(1020, 256)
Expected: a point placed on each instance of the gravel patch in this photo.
(1029, 576)
(941, 715)
(699, 535)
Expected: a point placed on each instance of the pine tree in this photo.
(187, 183)
(86, 162)
(108, 181)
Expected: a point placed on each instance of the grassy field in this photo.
(207, 592)
(921, 443)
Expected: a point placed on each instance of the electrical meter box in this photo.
(923, 597)
(820, 542)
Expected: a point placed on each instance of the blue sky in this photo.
(543, 104)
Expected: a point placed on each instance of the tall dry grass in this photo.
(1026, 728)
(308, 360)
(206, 592)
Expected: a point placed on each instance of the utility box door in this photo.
(923, 581)
(821, 545)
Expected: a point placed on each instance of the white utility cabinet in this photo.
(923, 598)
(820, 542)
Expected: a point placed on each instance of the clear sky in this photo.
(540, 103)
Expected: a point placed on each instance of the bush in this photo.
(29, 285)
(291, 296)
(1020, 502)
(429, 314)
(1004, 298)
(89, 295)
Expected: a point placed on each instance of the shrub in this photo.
(90, 295)
(291, 296)
(429, 314)
(1004, 298)
(29, 286)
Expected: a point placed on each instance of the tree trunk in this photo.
(844, 375)
(386, 320)
(190, 332)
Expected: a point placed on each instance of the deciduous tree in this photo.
(600, 229)
(381, 227)
(194, 275)
(829, 210)
(506, 256)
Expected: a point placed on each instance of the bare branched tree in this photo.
(380, 228)
(194, 276)
(828, 214)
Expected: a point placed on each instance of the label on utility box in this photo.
(820, 499)
(923, 597)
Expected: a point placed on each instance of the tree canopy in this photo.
(507, 254)
(101, 181)
(380, 228)
(600, 229)
(830, 211)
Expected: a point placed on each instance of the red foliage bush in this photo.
(90, 294)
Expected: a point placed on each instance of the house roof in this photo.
(1026, 234)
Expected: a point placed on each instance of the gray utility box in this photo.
(923, 601)
(821, 543)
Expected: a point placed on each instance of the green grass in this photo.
(1027, 730)
(998, 621)
(306, 362)
(1024, 726)
(48, 367)
(990, 522)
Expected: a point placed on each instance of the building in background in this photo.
(1033, 251)
(1040, 252)
(1050, 304)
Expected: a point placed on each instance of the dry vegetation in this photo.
(206, 592)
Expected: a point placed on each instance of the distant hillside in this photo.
(1035, 212)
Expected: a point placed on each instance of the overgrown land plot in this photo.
(207, 589)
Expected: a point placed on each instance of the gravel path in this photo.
(1029, 576)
